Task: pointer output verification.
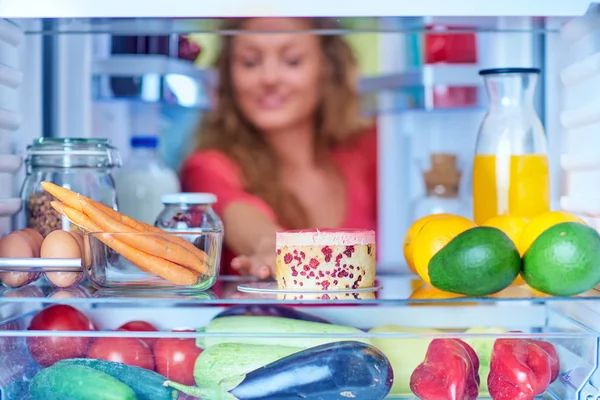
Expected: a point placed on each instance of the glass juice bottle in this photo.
(510, 171)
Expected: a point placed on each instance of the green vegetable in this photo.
(405, 354)
(564, 260)
(483, 347)
(478, 262)
(77, 382)
(302, 334)
(147, 385)
(232, 359)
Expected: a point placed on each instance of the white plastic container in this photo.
(143, 179)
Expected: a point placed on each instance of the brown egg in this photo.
(17, 245)
(79, 237)
(61, 244)
(36, 239)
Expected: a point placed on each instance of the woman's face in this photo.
(277, 77)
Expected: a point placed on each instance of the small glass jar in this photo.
(190, 212)
(81, 165)
(193, 213)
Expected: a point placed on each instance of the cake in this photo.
(323, 259)
(337, 296)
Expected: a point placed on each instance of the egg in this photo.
(61, 244)
(79, 237)
(77, 292)
(35, 238)
(17, 245)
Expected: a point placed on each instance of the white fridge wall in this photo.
(580, 116)
(20, 89)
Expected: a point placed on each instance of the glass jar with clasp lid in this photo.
(82, 165)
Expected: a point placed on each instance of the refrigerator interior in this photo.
(63, 92)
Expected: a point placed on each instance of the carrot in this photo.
(147, 242)
(73, 199)
(160, 267)
(59, 207)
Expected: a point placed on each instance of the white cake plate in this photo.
(272, 287)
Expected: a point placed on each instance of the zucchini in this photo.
(147, 385)
(232, 330)
(230, 359)
(333, 371)
(77, 382)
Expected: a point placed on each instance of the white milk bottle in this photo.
(143, 179)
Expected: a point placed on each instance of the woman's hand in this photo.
(260, 264)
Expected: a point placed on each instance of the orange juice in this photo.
(512, 184)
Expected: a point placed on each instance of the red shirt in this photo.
(210, 171)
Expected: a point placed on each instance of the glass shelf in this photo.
(346, 25)
(398, 290)
(275, 8)
(164, 77)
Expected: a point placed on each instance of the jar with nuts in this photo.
(81, 165)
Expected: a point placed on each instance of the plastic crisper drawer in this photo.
(402, 332)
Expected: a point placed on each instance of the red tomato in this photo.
(175, 359)
(48, 350)
(126, 350)
(140, 326)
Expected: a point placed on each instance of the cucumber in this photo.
(232, 330)
(231, 359)
(147, 385)
(77, 382)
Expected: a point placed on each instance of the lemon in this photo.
(433, 237)
(411, 234)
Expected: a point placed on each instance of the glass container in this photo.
(81, 165)
(177, 261)
(510, 171)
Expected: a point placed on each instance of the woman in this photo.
(285, 147)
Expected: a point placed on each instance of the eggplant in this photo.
(333, 371)
(269, 311)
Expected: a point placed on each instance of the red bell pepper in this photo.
(554, 363)
(521, 369)
(450, 371)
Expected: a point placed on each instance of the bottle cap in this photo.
(144, 142)
(188, 198)
(443, 179)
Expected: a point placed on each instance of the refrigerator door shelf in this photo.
(10, 77)
(10, 120)
(9, 207)
(10, 163)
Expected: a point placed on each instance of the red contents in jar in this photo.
(193, 218)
